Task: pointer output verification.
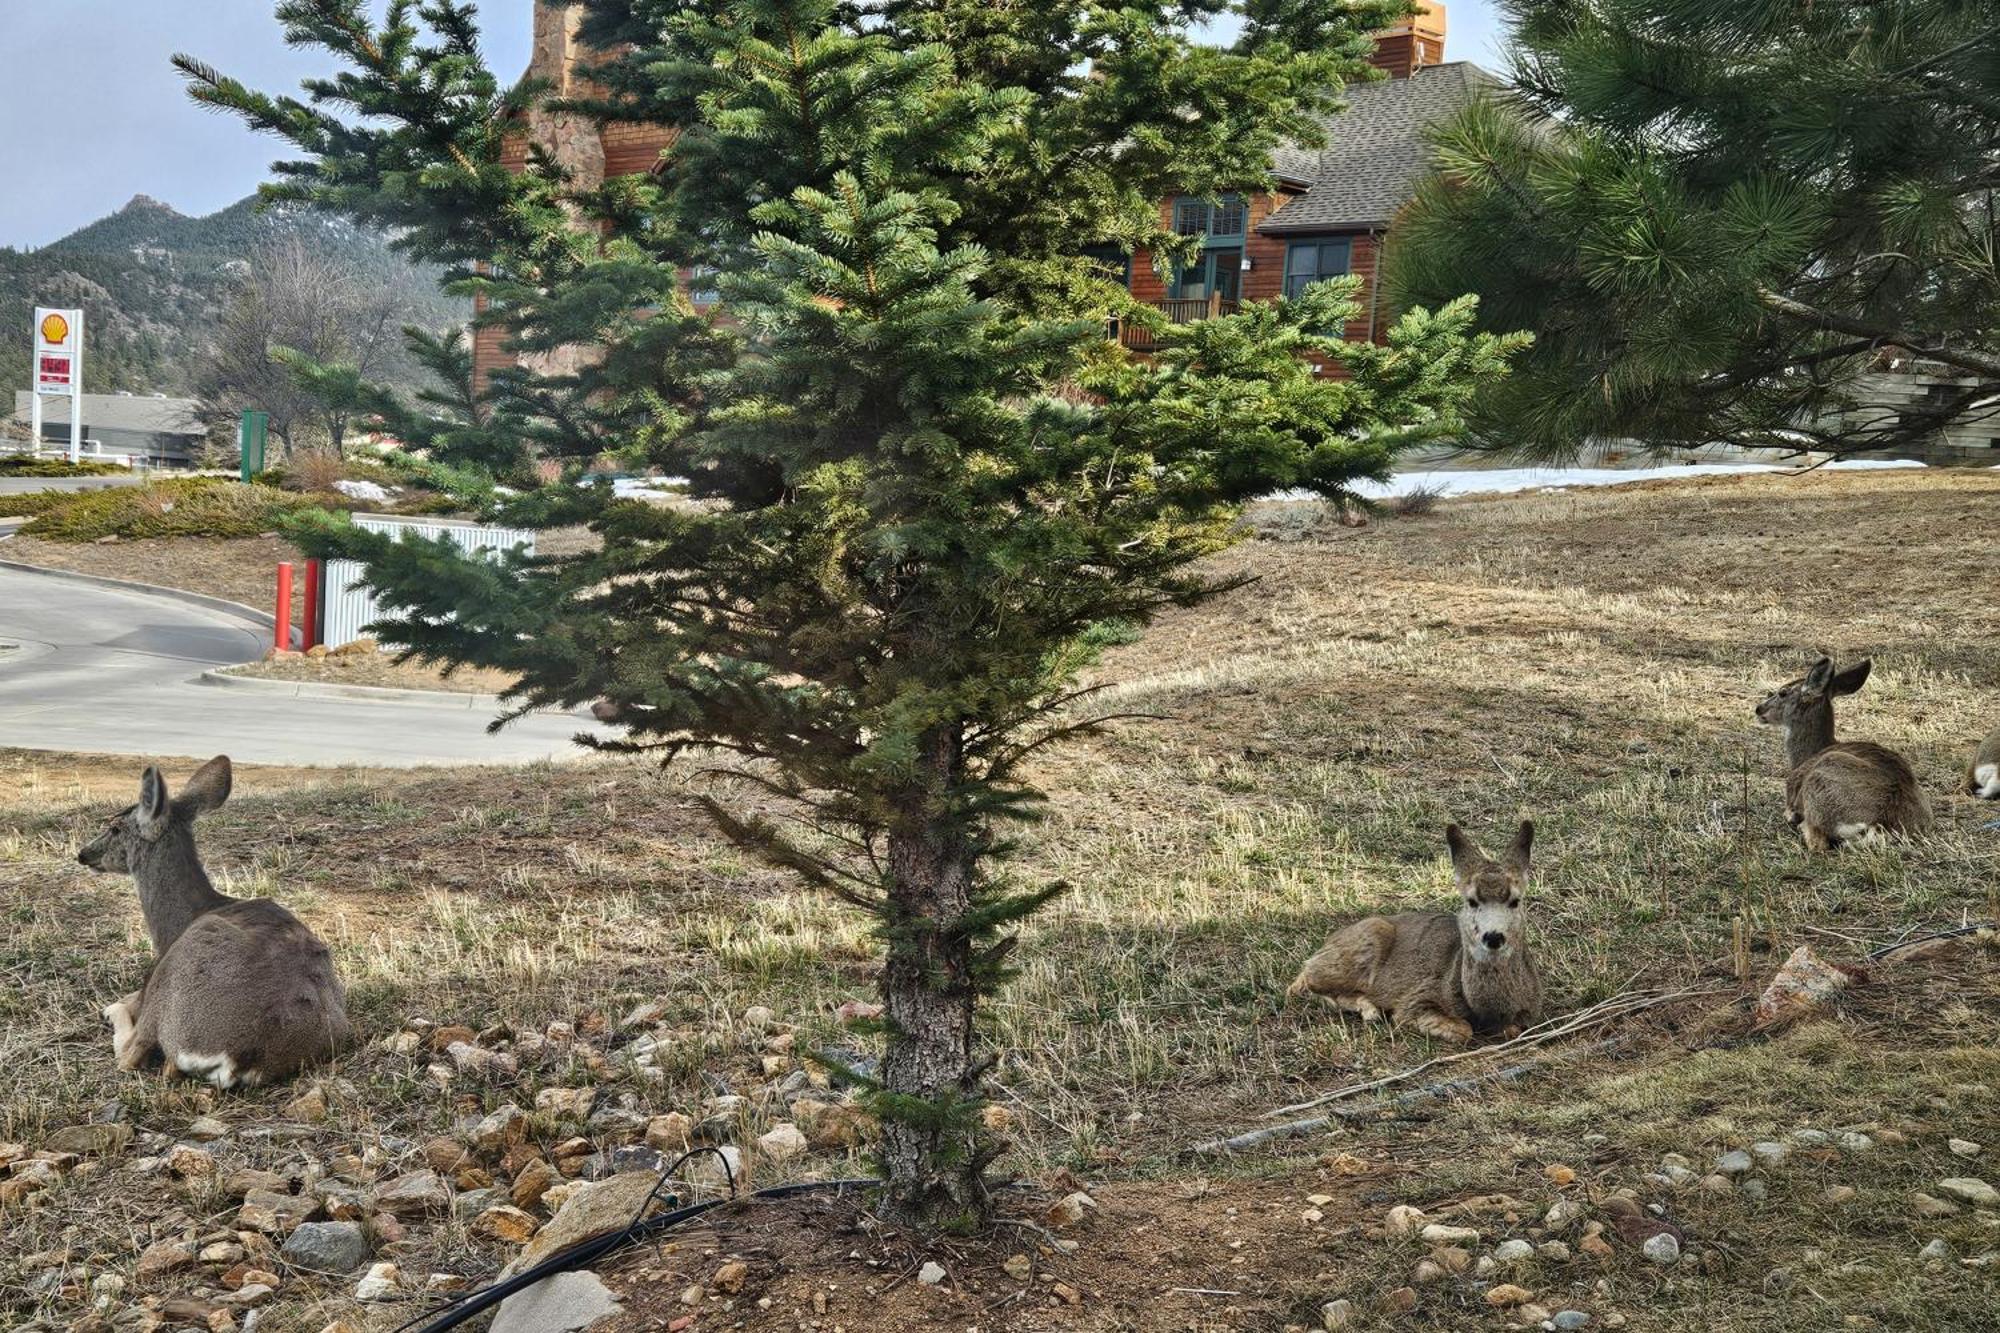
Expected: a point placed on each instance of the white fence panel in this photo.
(349, 606)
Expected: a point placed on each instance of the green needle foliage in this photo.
(922, 480)
(1719, 218)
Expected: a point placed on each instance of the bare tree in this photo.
(295, 303)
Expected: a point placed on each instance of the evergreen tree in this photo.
(923, 472)
(1719, 217)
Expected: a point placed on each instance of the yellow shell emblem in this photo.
(55, 329)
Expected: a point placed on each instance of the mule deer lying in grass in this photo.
(241, 992)
(1449, 975)
(1840, 791)
(1982, 775)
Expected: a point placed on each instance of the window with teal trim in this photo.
(1221, 220)
(1307, 262)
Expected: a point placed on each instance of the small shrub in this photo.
(185, 507)
(1417, 502)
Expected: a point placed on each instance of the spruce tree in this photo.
(1719, 218)
(919, 474)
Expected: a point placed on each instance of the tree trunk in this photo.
(932, 1151)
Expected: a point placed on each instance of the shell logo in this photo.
(55, 329)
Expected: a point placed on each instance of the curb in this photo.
(381, 694)
(262, 619)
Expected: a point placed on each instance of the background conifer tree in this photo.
(922, 472)
(1729, 214)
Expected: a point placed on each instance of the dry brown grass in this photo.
(379, 670)
(1590, 659)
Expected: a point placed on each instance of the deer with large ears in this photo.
(1840, 791)
(1450, 975)
(241, 992)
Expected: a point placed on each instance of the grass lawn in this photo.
(1590, 659)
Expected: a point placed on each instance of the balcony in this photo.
(1180, 310)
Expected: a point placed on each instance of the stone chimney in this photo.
(1412, 43)
(558, 56)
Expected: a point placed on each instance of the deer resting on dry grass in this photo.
(1982, 775)
(241, 992)
(1449, 975)
(1840, 791)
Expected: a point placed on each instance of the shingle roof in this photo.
(115, 411)
(1375, 151)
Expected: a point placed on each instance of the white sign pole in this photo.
(34, 423)
(58, 371)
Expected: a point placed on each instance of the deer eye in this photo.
(1513, 902)
(1471, 901)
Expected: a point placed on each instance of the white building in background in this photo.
(122, 428)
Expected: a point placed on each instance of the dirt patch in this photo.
(377, 669)
(237, 569)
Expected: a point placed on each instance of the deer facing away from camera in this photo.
(1840, 791)
(241, 992)
(1449, 975)
(1982, 775)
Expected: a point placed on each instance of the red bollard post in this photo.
(282, 634)
(312, 605)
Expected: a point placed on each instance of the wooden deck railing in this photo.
(1179, 310)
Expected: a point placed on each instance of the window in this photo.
(701, 285)
(1306, 262)
(1112, 260)
(1222, 220)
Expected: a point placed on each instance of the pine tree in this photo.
(923, 475)
(1719, 217)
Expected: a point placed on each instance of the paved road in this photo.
(112, 672)
(29, 485)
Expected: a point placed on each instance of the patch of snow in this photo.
(644, 488)
(1508, 481)
(362, 490)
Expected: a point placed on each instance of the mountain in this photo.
(152, 283)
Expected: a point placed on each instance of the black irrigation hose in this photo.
(1972, 929)
(457, 1311)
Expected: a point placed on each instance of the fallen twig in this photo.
(1618, 1006)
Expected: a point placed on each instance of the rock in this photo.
(1663, 1248)
(162, 1258)
(274, 1214)
(1563, 1214)
(1736, 1163)
(379, 1285)
(1770, 1152)
(1552, 1251)
(782, 1142)
(479, 1062)
(506, 1223)
(1400, 1301)
(469, 1204)
(1811, 1138)
(1019, 1267)
(443, 1154)
(1964, 1148)
(1531, 1313)
(497, 1132)
(1452, 1258)
(1402, 1220)
(1558, 1174)
(672, 1132)
(1439, 1234)
(206, 1129)
(1717, 1183)
(729, 1278)
(107, 1140)
(857, 1011)
(1754, 1190)
(1068, 1211)
(187, 1162)
(327, 1247)
(564, 1303)
(309, 1106)
(418, 1194)
(248, 1296)
(1972, 1190)
(1513, 1252)
(533, 1181)
(931, 1273)
(1336, 1314)
(1426, 1272)
(1855, 1141)
(1937, 1250)
(1838, 1194)
(589, 1211)
(239, 1184)
(1569, 1320)
(1927, 1205)
(566, 1103)
(1803, 986)
(223, 1252)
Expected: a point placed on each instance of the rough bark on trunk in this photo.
(931, 1150)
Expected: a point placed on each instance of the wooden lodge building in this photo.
(1325, 214)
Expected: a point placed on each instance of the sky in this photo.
(91, 113)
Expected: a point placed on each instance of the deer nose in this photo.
(1493, 939)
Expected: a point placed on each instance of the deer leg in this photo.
(1442, 1026)
(1817, 838)
(122, 1016)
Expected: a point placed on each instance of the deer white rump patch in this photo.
(119, 1015)
(1986, 781)
(217, 1069)
(1859, 832)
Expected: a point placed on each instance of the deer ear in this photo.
(208, 788)
(1517, 855)
(151, 812)
(1850, 680)
(1465, 858)
(1819, 677)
